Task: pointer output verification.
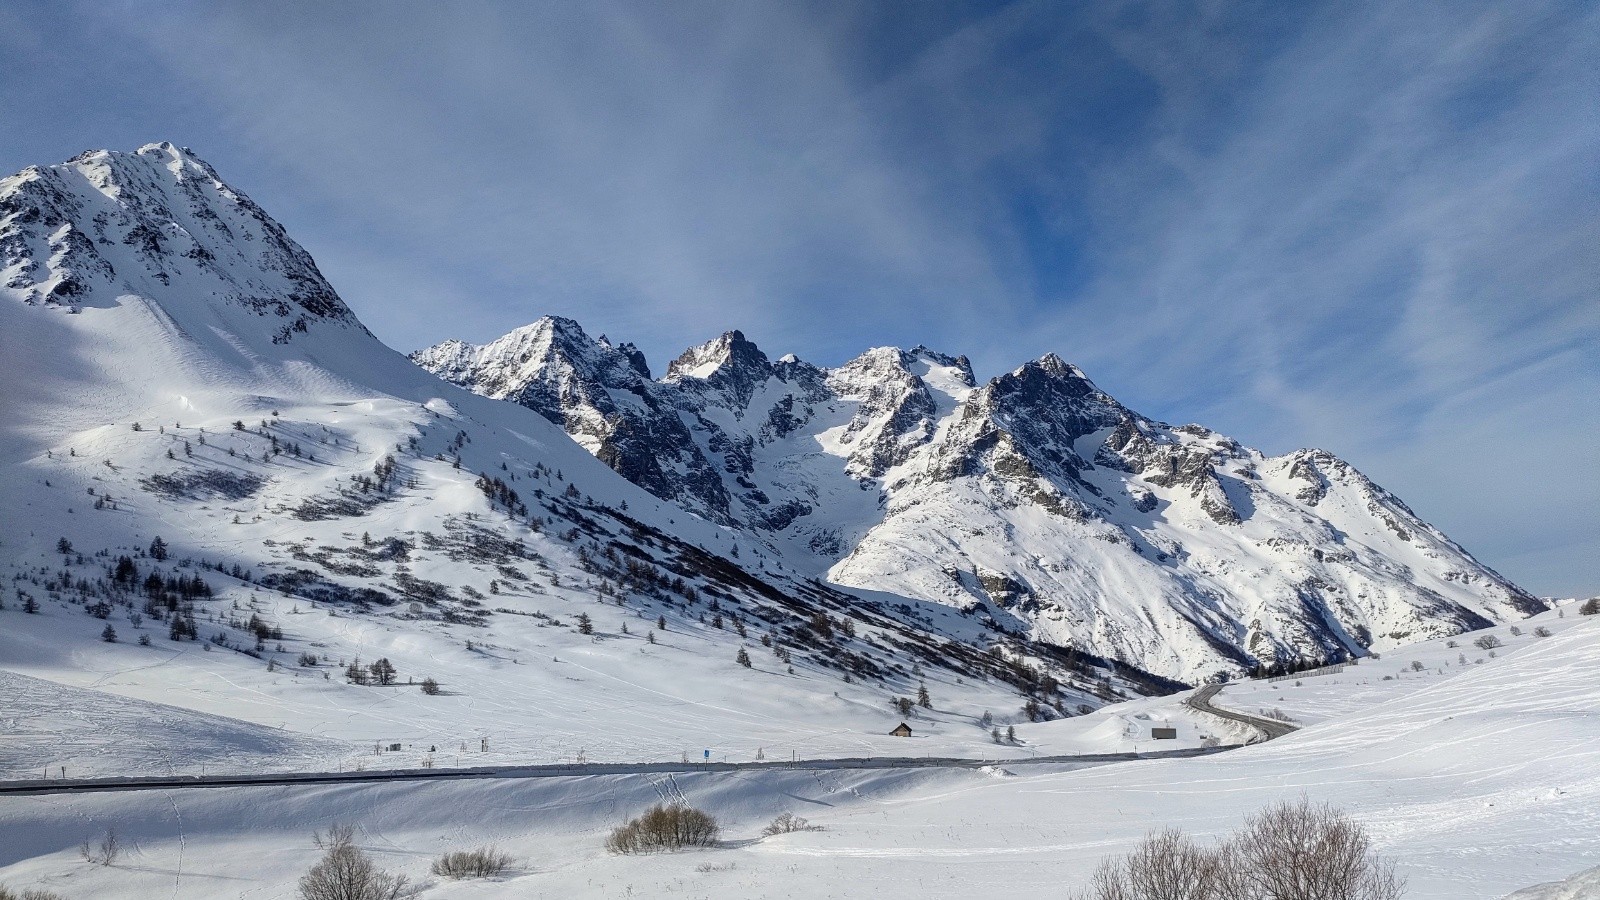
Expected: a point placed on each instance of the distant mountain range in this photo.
(885, 515)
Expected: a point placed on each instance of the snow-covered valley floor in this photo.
(1477, 779)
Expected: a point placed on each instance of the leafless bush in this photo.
(339, 835)
(1276, 714)
(483, 862)
(1541, 631)
(707, 868)
(1166, 865)
(1289, 851)
(345, 873)
(28, 894)
(1487, 642)
(787, 823)
(665, 827)
(1305, 851)
(105, 851)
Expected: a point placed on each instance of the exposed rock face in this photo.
(601, 394)
(1035, 500)
(106, 223)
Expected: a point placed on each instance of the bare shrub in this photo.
(1166, 865)
(665, 827)
(1487, 642)
(1305, 851)
(28, 894)
(707, 868)
(345, 873)
(787, 823)
(105, 851)
(1289, 851)
(1541, 631)
(484, 862)
(339, 835)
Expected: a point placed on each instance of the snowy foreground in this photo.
(1478, 774)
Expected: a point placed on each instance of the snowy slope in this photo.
(1035, 502)
(1476, 782)
(197, 380)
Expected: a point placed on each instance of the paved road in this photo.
(88, 785)
(1269, 728)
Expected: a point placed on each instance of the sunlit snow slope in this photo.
(1476, 779)
(176, 367)
(1034, 501)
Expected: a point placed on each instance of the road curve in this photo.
(152, 783)
(1268, 728)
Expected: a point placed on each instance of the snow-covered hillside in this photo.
(1476, 779)
(1034, 501)
(176, 368)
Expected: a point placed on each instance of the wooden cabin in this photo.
(903, 730)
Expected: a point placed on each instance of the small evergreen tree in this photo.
(158, 548)
(585, 625)
(661, 623)
(29, 605)
(1011, 734)
(430, 687)
(109, 635)
(63, 546)
(923, 700)
(743, 658)
(383, 671)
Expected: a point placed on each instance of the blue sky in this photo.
(1370, 227)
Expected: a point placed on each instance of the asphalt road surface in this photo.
(86, 785)
(1269, 728)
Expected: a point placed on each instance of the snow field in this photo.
(1476, 783)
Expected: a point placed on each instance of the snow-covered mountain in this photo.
(1034, 501)
(175, 366)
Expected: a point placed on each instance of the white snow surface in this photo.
(240, 433)
(1476, 780)
(1034, 500)
(140, 289)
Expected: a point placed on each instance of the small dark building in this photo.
(903, 730)
(1164, 734)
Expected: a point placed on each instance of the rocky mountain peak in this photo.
(730, 351)
(108, 223)
(633, 354)
(960, 364)
(725, 371)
